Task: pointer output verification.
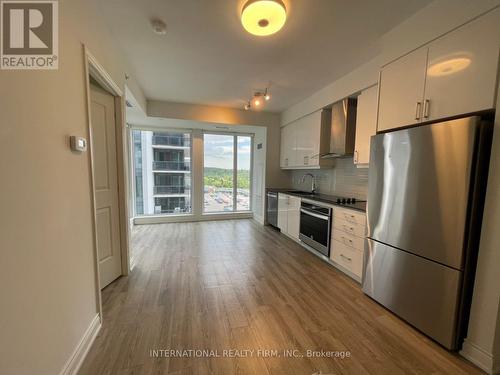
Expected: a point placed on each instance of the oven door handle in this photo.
(323, 217)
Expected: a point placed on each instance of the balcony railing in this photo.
(170, 140)
(170, 166)
(170, 189)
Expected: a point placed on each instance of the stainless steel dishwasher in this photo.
(272, 208)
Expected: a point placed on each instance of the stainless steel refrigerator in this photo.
(425, 203)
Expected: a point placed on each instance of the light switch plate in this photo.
(78, 143)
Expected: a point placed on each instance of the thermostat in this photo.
(78, 143)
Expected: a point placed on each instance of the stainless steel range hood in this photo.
(343, 129)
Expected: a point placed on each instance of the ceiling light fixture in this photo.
(263, 17)
(258, 99)
(267, 96)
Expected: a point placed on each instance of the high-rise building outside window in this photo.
(162, 172)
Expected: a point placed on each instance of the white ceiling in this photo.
(206, 57)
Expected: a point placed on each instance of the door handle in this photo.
(427, 105)
(355, 156)
(417, 110)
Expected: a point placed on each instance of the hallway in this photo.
(224, 285)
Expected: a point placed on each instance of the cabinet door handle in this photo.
(347, 258)
(427, 106)
(355, 156)
(417, 110)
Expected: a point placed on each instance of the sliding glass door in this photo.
(227, 172)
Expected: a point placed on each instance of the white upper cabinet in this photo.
(304, 140)
(308, 140)
(288, 146)
(402, 91)
(453, 75)
(366, 125)
(462, 68)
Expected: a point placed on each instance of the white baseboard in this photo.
(81, 350)
(480, 357)
(162, 219)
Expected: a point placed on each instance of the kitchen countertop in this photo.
(330, 199)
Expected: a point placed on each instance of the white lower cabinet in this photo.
(289, 215)
(293, 215)
(283, 211)
(348, 258)
(347, 241)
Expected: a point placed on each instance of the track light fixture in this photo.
(258, 99)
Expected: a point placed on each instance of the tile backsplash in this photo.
(344, 179)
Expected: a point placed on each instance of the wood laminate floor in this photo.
(235, 285)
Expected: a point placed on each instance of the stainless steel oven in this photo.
(315, 226)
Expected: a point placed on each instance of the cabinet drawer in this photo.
(348, 239)
(349, 258)
(350, 215)
(349, 227)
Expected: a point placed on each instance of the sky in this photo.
(219, 151)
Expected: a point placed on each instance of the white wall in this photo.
(47, 284)
(482, 345)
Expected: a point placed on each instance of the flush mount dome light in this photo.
(263, 17)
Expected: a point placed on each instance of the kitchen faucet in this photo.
(313, 181)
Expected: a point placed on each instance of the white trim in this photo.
(480, 357)
(100, 75)
(75, 361)
(95, 70)
(192, 218)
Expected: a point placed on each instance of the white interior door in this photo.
(105, 184)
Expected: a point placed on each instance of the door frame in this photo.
(96, 71)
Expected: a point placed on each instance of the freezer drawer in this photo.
(422, 292)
